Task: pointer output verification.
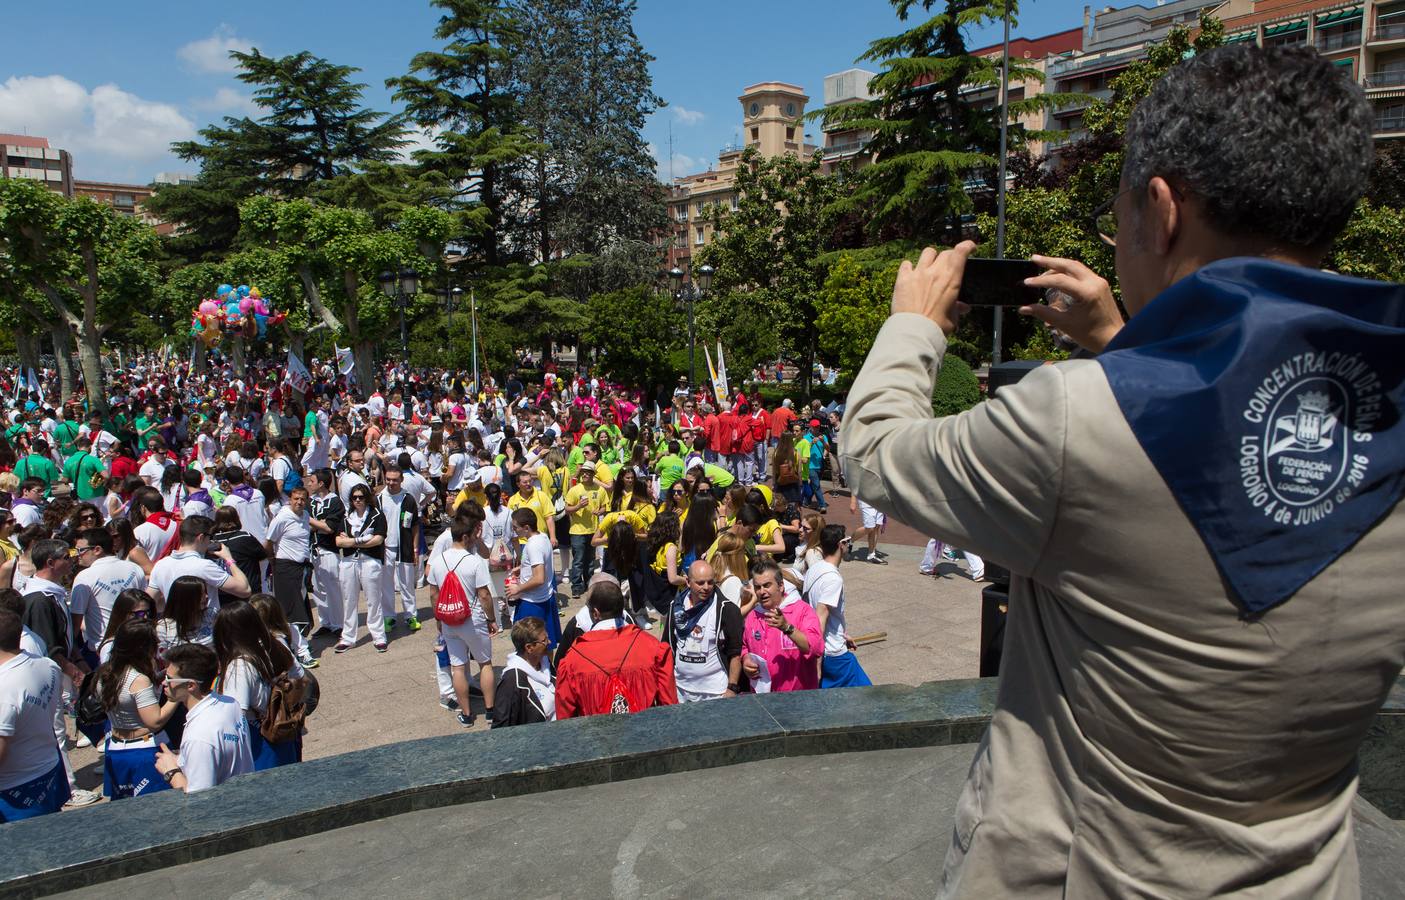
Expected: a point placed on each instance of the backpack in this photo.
(786, 474)
(451, 603)
(287, 709)
(617, 697)
(293, 480)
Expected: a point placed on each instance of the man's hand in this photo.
(775, 618)
(166, 760)
(931, 287)
(750, 667)
(1090, 316)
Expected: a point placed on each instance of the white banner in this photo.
(346, 362)
(297, 374)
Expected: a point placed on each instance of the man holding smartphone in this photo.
(1202, 524)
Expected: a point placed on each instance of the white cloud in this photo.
(683, 164)
(419, 139)
(211, 55)
(110, 132)
(228, 100)
(685, 115)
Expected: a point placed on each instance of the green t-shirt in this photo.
(65, 433)
(15, 430)
(36, 466)
(719, 476)
(670, 469)
(309, 424)
(144, 423)
(79, 469)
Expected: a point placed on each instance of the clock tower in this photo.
(771, 118)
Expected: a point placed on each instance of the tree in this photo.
(464, 94)
(530, 301)
(336, 253)
(1369, 246)
(92, 266)
(852, 306)
(768, 256)
(930, 141)
(635, 332)
(584, 93)
(314, 131)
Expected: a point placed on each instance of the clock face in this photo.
(755, 109)
(790, 109)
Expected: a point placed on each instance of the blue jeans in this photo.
(582, 562)
(812, 488)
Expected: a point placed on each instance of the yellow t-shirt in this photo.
(539, 503)
(583, 520)
(645, 511)
(766, 532)
(661, 559)
(622, 516)
(471, 495)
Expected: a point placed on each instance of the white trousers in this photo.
(326, 590)
(398, 578)
(362, 574)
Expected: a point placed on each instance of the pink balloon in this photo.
(260, 307)
(209, 306)
(245, 304)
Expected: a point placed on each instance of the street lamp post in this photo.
(401, 288)
(689, 293)
(1000, 185)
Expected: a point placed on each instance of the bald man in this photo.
(705, 631)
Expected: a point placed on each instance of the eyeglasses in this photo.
(140, 613)
(79, 551)
(1104, 219)
(362, 497)
(177, 682)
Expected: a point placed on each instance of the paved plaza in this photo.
(369, 698)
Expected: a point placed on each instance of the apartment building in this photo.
(123, 199)
(772, 114)
(33, 158)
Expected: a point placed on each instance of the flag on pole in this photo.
(297, 374)
(346, 363)
(722, 392)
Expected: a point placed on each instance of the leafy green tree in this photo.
(584, 93)
(314, 130)
(532, 303)
(464, 93)
(768, 256)
(957, 388)
(336, 254)
(853, 305)
(93, 267)
(634, 332)
(1370, 245)
(931, 141)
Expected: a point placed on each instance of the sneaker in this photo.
(413, 624)
(449, 703)
(83, 797)
(381, 647)
(83, 741)
(311, 662)
(465, 720)
(324, 631)
(389, 624)
(877, 560)
(880, 553)
(341, 648)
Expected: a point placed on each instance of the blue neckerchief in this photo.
(685, 617)
(1268, 397)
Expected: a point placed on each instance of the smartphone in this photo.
(999, 282)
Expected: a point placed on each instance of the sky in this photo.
(116, 83)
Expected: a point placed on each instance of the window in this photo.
(755, 135)
(734, 203)
(123, 200)
(699, 238)
(790, 134)
(702, 205)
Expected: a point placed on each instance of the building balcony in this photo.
(847, 148)
(1390, 125)
(1326, 43)
(1392, 78)
(1063, 68)
(1391, 31)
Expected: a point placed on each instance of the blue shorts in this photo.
(843, 671)
(45, 794)
(129, 770)
(268, 755)
(547, 612)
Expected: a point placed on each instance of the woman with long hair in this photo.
(732, 570)
(125, 544)
(808, 551)
(699, 531)
(172, 487)
(247, 550)
(272, 497)
(786, 468)
(497, 537)
(131, 604)
(187, 617)
(126, 686)
(514, 460)
(284, 633)
(732, 503)
(250, 661)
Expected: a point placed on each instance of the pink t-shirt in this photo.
(790, 669)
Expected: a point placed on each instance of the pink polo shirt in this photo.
(790, 669)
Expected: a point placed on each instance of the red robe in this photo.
(645, 665)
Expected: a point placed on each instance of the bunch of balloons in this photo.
(241, 310)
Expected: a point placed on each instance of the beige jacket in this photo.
(1147, 741)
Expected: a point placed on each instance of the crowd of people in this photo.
(170, 562)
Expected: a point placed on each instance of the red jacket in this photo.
(760, 424)
(644, 665)
(726, 438)
(710, 422)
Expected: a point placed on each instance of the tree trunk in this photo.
(363, 354)
(197, 359)
(236, 355)
(28, 344)
(63, 356)
(90, 360)
(297, 343)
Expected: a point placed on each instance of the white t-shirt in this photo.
(95, 590)
(207, 451)
(152, 538)
(152, 470)
(824, 586)
(497, 527)
(26, 514)
(390, 508)
(472, 572)
(336, 447)
(253, 518)
(345, 483)
(420, 488)
(458, 465)
(215, 745)
(290, 535)
(278, 470)
(29, 693)
(188, 562)
(537, 552)
(33, 644)
(242, 683)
